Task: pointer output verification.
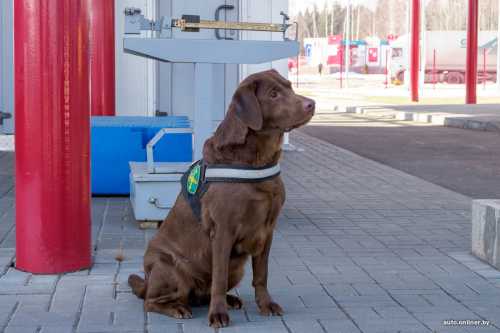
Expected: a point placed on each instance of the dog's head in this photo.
(265, 101)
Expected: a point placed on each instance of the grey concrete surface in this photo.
(467, 162)
(359, 247)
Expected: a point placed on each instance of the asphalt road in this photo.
(464, 161)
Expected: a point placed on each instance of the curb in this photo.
(443, 119)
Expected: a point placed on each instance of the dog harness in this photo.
(196, 180)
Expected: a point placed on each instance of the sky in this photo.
(301, 5)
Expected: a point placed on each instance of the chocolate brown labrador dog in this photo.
(194, 261)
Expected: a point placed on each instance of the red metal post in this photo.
(415, 49)
(52, 136)
(471, 59)
(434, 79)
(484, 68)
(102, 57)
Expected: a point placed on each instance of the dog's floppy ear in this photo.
(247, 106)
(231, 131)
(244, 113)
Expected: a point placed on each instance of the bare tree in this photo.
(325, 15)
(452, 14)
(314, 23)
(332, 19)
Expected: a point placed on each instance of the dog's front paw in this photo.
(218, 319)
(217, 314)
(270, 308)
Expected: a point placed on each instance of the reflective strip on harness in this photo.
(196, 181)
(235, 174)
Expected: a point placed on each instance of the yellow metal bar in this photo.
(206, 24)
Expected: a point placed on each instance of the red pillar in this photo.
(415, 49)
(471, 59)
(102, 57)
(52, 136)
(434, 79)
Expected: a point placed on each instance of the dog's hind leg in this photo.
(166, 294)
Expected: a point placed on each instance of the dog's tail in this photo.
(138, 285)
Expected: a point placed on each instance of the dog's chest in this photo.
(258, 229)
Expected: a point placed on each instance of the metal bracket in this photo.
(135, 22)
(217, 17)
(149, 147)
(296, 31)
(285, 19)
(4, 115)
(156, 203)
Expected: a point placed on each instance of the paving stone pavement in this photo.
(359, 247)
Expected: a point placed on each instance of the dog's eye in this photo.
(273, 94)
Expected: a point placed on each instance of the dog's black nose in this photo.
(309, 105)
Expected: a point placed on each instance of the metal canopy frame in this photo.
(211, 51)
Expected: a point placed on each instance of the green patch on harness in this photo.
(193, 180)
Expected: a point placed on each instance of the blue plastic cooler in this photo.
(115, 141)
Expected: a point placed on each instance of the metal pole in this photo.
(434, 68)
(102, 57)
(423, 47)
(414, 61)
(341, 64)
(406, 54)
(471, 59)
(286, 139)
(52, 136)
(386, 68)
(484, 68)
(347, 57)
